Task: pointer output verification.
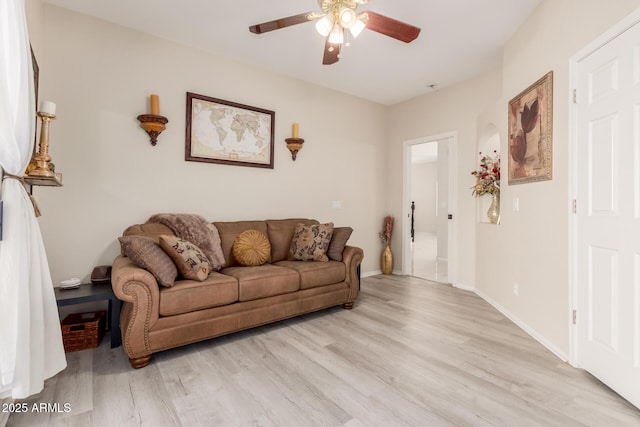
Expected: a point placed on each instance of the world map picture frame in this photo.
(225, 132)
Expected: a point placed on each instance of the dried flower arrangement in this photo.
(387, 230)
(488, 176)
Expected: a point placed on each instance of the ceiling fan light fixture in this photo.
(347, 17)
(357, 27)
(337, 35)
(325, 24)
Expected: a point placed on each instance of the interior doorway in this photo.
(427, 198)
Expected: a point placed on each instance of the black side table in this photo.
(88, 293)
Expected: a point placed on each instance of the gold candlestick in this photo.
(42, 157)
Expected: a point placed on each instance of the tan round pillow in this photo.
(251, 248)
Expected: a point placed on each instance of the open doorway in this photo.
(427, 251)
(429, 237)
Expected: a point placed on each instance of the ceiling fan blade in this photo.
(281, 23)
(331, 52)
(391, 27)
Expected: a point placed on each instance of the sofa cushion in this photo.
(310, 242)
(280, 235)
(190, 295)
(263, 281)
(338, 242)
(229, 231)
(251, 248)
(315, 274)
(153, 231)
(192, 263)
(147, 253)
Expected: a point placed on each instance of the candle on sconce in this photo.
(295, 130)
(155, 105)
(48, 107)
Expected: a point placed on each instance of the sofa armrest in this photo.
(352, 257)
(138, 290)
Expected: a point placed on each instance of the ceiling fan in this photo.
(337, 20)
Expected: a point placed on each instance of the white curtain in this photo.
(30, 339)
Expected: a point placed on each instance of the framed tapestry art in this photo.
(225, 132)
(530, 133)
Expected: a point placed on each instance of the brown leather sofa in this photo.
(156, 318)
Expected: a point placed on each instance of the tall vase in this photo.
(387, 260)
(493, 213)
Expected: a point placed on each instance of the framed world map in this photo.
(220, 131)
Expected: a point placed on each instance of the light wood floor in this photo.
(411, 353)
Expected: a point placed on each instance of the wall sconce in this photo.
(153, 123)
(294, 144)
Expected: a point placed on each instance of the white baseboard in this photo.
(370, 273)
(525, 327)
(464, 287)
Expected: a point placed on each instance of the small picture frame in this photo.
(531, 133)
(226, 132)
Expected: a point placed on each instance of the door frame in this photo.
(596, 44)
(452, 246)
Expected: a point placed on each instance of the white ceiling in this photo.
(459, 39)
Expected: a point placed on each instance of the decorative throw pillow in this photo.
(310, 242)
(191, 261)
(338, 242)
(147, 253)
(251, 248)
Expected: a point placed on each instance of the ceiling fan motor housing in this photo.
(335, 5)
(342, 10)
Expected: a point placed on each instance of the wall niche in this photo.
(488, 144)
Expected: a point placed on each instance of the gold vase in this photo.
(387, 260)
(493, 213)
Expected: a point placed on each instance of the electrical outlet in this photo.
(516, 204)
(516, 289)
(336, 204)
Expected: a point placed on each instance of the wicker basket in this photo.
(81, 331)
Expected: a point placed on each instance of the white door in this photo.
(608, 213)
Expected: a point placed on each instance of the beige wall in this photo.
(34, 13)
(100, 76)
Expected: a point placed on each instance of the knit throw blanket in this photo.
(196, 230)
